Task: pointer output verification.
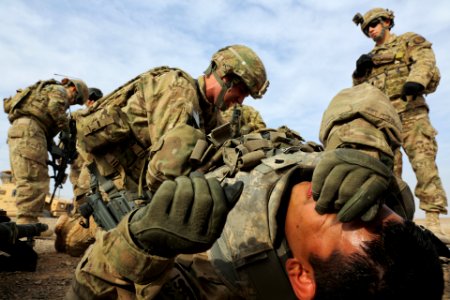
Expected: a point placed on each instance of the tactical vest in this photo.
(31, 101)
(250, 248)
(392, 67)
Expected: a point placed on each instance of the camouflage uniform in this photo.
(145, 131)
(249, 118)
(35, 120)
(410, 58)
(127, 272)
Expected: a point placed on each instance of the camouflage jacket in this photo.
(45, 101)
(151, 122)
(404, 58)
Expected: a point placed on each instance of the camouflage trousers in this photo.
(419, 144)
(28, 158)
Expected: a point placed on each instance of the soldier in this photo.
(81, 185)
(68, 233)
(37, 114)
(145, 131)
(247, 118)
(275, 243)
(404, 67)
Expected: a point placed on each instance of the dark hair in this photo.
(95, 94)
(402, 262)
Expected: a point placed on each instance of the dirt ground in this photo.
(54, 273)
(51, 279)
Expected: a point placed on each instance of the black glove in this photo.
(351, 183)
(364, 65)
(413, 89)
(186, 215)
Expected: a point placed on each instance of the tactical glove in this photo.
(364, 65)
(350, 183)
(413, 89)
(185, 216)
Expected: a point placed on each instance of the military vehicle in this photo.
(58, 206)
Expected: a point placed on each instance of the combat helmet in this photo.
(95, 93)
(242, 62)
(81, 87)
(375, 13)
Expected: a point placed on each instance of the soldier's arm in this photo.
(422, 60)
(360, 131)
(57, 106)
(169, 103)
(172, 128)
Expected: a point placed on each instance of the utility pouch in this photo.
(102, 128)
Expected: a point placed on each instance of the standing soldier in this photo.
(145, 131)
(404, 68)
(247, 118)
(37, 113)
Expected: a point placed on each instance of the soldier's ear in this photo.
(302, 280)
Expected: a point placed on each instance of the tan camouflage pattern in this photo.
(71, 237)
(361, 115)
(48, 106)
(250, 119)
(407, 57)
(28, 158)
(420, 146)
(245, 63)
(374, 14)
(161, 115)
(155, 103)
(169, 158)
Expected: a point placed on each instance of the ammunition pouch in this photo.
(103, 128)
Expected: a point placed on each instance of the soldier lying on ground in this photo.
(277, 242)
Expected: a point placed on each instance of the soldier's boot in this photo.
(71, 237)
(33, 220)
(433, 224)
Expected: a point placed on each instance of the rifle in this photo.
(235, 121)
(63, 154)
(106, 214)
(21, 256)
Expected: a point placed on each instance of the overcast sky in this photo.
(309, 49)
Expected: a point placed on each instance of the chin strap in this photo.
(220, 103)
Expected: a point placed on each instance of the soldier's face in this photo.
(236, 94)
(308, 233)
(377, 30)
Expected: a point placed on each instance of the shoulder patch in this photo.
(418, 39)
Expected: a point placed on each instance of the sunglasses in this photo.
(372, 24)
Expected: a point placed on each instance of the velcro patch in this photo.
(419, 39)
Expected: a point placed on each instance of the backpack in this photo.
(10, 103)
(105, 124)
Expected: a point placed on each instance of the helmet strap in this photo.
(220, 103)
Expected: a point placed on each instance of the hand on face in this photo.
(310, 233)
